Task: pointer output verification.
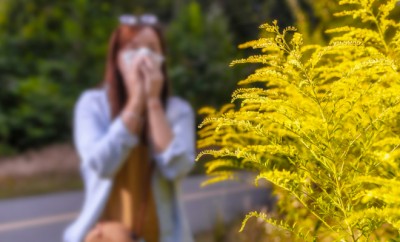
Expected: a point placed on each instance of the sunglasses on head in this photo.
(130, 19)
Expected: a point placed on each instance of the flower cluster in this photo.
(321, 123)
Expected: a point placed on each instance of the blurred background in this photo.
(50, 51)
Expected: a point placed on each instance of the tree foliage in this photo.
(53, 50)
(321, 123)
(197, 38)
(50, 52)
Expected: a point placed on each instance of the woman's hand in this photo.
(132, 114)
(133, 81)
(153, 77)
(160, 130)
(108, 231)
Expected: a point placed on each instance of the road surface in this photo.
(43, 218)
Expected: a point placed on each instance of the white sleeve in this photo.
(178, 158)
(102, 147)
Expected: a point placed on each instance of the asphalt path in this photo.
(43, 218)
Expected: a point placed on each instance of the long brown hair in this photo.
(116, 91)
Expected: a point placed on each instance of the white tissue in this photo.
(129, 55)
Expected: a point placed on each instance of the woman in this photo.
(136, 143)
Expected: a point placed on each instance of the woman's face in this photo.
(146, 37)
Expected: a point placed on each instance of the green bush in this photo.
(60, 46)
(200, 48)
(50, 52)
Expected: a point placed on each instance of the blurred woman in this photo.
(136, 143)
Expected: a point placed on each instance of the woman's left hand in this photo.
(153, 77)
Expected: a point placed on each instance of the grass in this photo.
(36, 185)
(12, 187)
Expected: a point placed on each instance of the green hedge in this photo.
(52, 50)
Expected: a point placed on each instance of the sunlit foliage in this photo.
(321, 123)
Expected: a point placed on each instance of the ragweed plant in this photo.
(321, 123)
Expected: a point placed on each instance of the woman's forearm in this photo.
(160, 130)
(101, 148)
(132, 116)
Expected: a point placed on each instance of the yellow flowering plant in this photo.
(322, 124)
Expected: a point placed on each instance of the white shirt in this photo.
(104, 144)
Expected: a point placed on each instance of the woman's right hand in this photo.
(134, 83)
